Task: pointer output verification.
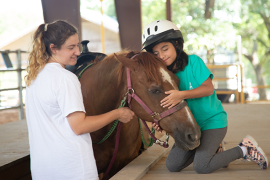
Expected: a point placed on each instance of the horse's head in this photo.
(150, 79)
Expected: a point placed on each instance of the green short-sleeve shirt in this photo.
(207, 111)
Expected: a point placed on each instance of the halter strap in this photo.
(156, 116)
(149, 111)
(128, 79)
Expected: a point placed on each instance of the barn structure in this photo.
(243, 119)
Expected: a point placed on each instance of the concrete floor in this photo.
(252, 119)
(14, 143)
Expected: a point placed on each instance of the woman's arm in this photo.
(82, 124)
(175, 96)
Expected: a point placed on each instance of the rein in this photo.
(80, 74)
(115, 122)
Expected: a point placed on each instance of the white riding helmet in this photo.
(160, 30)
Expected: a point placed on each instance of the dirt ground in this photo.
(9, 115)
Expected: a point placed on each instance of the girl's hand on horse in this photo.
(156, 127)
(125, 114)
(172, 99)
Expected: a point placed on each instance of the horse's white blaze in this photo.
(189, 116)
(167, 77)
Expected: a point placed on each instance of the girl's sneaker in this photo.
(254, 153)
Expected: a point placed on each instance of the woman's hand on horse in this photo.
(172, 99)
(81, 124)
(125, 114)
(156, 127)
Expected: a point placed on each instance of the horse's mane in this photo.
(148, 61)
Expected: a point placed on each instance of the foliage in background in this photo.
(18, 15)
(206, 34)
(108, 6)
(229, 18)
(255, 30)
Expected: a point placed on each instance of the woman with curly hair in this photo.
(60, 143)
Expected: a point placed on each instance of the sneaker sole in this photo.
(261, 151)
(254, 142)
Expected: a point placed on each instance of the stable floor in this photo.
(252, 119)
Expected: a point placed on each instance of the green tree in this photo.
(210, 24)
(205, 33)
(108, 6)
(255, 32)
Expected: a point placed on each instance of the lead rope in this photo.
(143, 139)
(115, 151)
(122, 104)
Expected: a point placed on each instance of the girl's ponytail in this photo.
(37, 57)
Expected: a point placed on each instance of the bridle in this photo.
(156, 116)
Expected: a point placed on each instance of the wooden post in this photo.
(168, 10)
(102, 29)
(130, 25)
(63, 10)
(237, 84)
(239, 47)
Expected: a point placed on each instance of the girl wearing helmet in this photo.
(165, 40)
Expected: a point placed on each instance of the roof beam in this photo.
(130, 25)
(168, 10)
(62, 10)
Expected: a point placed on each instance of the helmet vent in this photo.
(148, 31)
(156, 28)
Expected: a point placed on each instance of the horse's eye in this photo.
(155, 91)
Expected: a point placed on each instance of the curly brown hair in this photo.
(55, 33)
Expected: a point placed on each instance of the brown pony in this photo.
(104, 86)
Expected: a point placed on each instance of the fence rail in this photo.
(5, 55)
(238, 77)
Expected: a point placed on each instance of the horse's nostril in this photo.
(192, 137)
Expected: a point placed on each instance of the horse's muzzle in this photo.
(187, 140)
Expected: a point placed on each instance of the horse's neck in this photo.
(106, 94)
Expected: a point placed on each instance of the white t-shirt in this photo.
(56, 152)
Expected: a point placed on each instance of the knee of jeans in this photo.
(172, 167)
(201, 169)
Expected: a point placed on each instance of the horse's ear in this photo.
(130, 63)
(130, 54)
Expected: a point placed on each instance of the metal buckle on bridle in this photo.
(161, 143)
(132, 91)
(156, 115)
(128, 92)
